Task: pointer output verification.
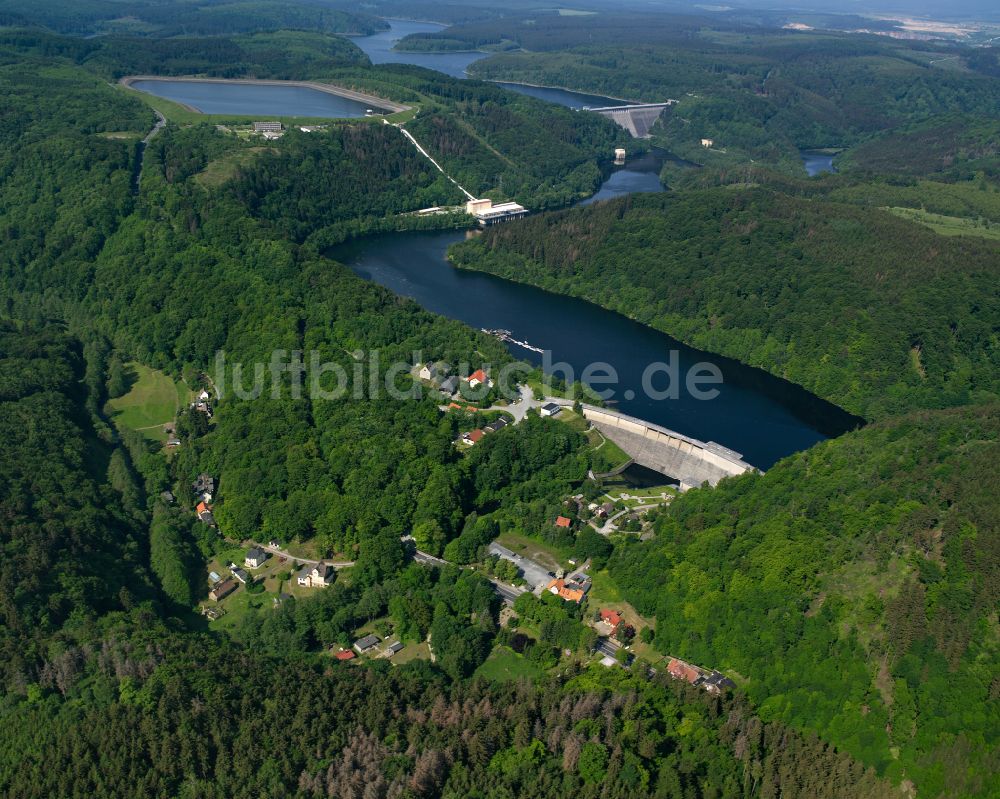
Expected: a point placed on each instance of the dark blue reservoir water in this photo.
(816, 162)
(379, 48)
(755, 413)
(228, 97)
(575, 100)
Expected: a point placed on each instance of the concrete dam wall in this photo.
(688, 460)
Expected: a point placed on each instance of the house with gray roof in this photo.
(366, 643)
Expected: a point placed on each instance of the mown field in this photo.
(152, 401)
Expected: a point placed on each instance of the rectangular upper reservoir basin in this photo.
(250, 99)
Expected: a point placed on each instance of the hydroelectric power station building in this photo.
(489, 214)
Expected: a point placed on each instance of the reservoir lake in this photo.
(755, 413)
(761, 416)
(817, 162)
(227, 97)
(379, 48)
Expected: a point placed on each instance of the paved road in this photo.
(508, 593)
(428, 559)
(536, 575)
(519, 407)
(607, 647)
(284, 554)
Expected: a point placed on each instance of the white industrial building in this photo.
(489, 214)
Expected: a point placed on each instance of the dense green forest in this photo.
(851, 592)
(855, 589)
(266, 54)
(757, 93)
(94, 674)
(164, 18)
(954, 148)
(876, 314)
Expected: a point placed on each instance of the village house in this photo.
(317, 576)
(240, 574)
(222, 590)
(449, 385)
(478, 378)
(434, 371)
(366, 643)
(564, 522)
(204, 511)
(569, 591)
(393, 648)
(473, 437)
(549, 409)
(496, 425)
(716, 683)
(202, 407)
(255, 558)
(612, 617)
(204, 487)
(344, 654)
(680, 670)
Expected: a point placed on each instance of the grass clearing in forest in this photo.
(950, 225)
(225, 168)
(151, 402)
(505, 664)
(410, 652)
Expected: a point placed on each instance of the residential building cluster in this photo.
(711, 680)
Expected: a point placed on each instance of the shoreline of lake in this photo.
(554, 88)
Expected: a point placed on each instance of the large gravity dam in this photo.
(688, 460)
(637, 119)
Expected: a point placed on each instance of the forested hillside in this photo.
(854, 587)
(95, 674)
(876, 314)
(850, 593)
(164, 18)
(756, 93)
(71, 551)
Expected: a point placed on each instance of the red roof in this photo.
(475, 435)
(202, 507)
(479, 375)
(612, 617)
(680, 670)
(344, 654)
(567, 591)
(562, 521)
